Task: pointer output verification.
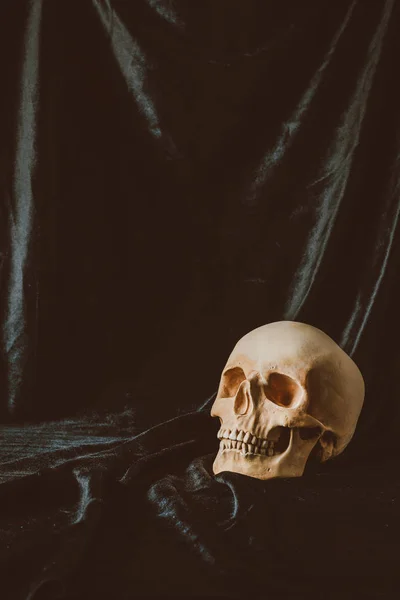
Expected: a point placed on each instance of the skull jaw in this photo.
(260, 467)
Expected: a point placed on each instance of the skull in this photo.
(286, 390)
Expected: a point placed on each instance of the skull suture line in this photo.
(286, 389)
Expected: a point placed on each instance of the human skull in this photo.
(286, 389)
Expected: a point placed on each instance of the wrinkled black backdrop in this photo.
(174, 174)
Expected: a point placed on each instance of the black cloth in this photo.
(172, 175)
(147, 517)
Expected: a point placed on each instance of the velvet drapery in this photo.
(172, 175)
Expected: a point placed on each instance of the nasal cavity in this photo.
(282, 389)
(242, 399)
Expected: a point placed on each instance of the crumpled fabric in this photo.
(147, 517)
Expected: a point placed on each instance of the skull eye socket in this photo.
(230, 382)
(282, 389)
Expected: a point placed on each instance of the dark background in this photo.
(174, 174)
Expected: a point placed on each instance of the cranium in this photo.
(286, 390)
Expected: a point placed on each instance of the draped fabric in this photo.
(172, 175)
(144, 516)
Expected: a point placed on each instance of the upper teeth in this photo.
(245, 442)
